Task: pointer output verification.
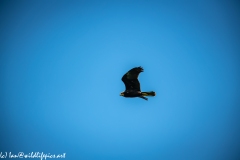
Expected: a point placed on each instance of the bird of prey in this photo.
(130, 79)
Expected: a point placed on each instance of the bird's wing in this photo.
(130, 79)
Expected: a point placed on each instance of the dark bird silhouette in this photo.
(130, 79)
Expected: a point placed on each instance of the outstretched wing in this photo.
(130, 79)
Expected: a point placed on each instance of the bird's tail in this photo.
(149, 93)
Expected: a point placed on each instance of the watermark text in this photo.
(37, 155)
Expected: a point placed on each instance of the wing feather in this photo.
(130, 79)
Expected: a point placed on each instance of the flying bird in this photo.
(130, 79)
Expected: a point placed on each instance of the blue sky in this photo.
(61, 65)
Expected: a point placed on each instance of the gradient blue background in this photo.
(61, 65)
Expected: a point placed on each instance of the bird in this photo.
(132, 85)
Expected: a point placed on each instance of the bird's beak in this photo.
(121, 94)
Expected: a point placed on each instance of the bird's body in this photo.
(132, 93)
(130, 79)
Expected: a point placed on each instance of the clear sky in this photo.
(61, 65)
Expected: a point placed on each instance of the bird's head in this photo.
(122, 94)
